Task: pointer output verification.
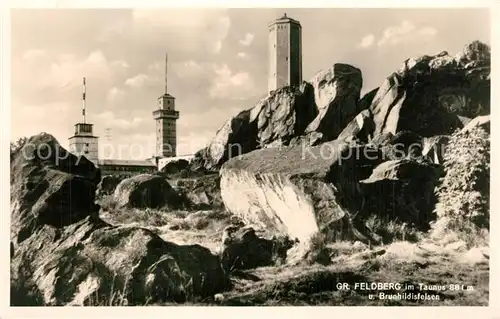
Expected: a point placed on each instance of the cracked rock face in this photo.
(298, 192)
(64, 254)
(429, 94)
(317, 111)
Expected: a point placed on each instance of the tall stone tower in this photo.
(285, 53)
(166, 127)
(83, 142)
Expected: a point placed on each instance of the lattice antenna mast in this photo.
(166, 73)
(84, 99)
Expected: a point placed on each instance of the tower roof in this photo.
(285, 19)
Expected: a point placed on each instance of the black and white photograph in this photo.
(268, 156)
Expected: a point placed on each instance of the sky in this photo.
(217, 63)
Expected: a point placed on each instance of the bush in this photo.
(463, 194)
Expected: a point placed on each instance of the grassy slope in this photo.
(426, 262)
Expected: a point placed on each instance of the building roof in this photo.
(117, 162)
(285, 19)
(166, 95)
(82, 135)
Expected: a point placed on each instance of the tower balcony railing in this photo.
(166, 114)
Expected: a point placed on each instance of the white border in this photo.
(248, 312)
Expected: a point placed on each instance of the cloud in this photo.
(247, 40)
(190, 143)
(208, 27)
(111, 120)
(137, 81)
(33, 54)
(367, 41)
(242, 55)
(31, 119)
(427, 31)
(192, 69)
(68, 71)
(228, 85)
(404, 32)
(221, 80)
(216, 33)
(120, 64)
(115, 95)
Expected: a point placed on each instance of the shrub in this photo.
(463, 194)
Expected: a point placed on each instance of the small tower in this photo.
(84, 142)
(285, 53)
(166, 122)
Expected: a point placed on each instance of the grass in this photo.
(408, 256)
(317, 285)
(391, 230)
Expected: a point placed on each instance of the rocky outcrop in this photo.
(147, 190)
(108, 184)
(403, 191)
(483, 122)
(175, 167)
(299, 191)
(359, 129)
(202, 192)
(92, 263)
(243, 249)
(49, 186)
(64, 254)
(275, 120)
(337, 93)
(312, 112)
(429, 93)
(434, 148)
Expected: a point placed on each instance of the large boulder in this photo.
(274, 120)
(147, 190)
(429, 93)
(202, 192)
(49, 186)
(336, 91)
(175, 167)
(299, 191)
(359, 129)
(244, 249)
(401, 190)
(314, 112)
(93, 263)
(64, 254)
(108, 184)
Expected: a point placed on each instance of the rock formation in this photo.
(202, 192)
(108, 184)
(147, 190)
(243, 249)
(317, 111)
(299, 191)
(384, 159)
(429, 88)
(64, 254)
